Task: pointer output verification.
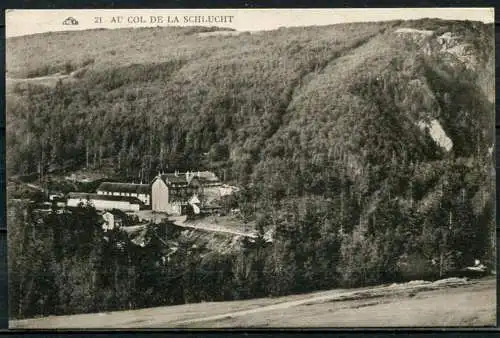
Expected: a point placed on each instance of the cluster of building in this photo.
(171, 193)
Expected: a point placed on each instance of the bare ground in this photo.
(453, 302)
(220, 224)
(47, 80)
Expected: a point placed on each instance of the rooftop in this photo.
(174, 178)
(86, 196)
(186, 177)
(124, 187)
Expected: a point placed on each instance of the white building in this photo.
(104, 202)
(111, 221)
(172, 193)
(139, 191)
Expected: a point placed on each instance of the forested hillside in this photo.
(326, 129)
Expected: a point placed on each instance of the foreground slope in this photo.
(452, 302)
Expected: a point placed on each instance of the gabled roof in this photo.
(124, 187)
(207, 176)
(182, 178)
(173, 179)
(85, 196)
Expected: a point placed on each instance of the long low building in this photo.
(104, 202)
(139, 191)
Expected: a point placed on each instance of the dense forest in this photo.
(319, 126)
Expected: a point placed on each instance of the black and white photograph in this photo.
(251, 168)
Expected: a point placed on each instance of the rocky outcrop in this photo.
(451, 44)
(437, 133)
(448, 45)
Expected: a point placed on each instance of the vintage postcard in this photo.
(251, 168)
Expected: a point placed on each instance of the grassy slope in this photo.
(468, 305)
(46, 54)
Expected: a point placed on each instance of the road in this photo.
(57, 76)
(201, 224)
(36, 187)
(215, 228)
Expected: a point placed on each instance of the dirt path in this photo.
(33, 186)
(334, 295)
(280, 306)
(57, 76)
(47, 80)
(38, 78)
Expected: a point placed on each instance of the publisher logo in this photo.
(70, 21)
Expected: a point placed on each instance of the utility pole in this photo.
(87, 153)
(411, 193)
(341, 210)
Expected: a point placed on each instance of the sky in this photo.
(26, 22)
